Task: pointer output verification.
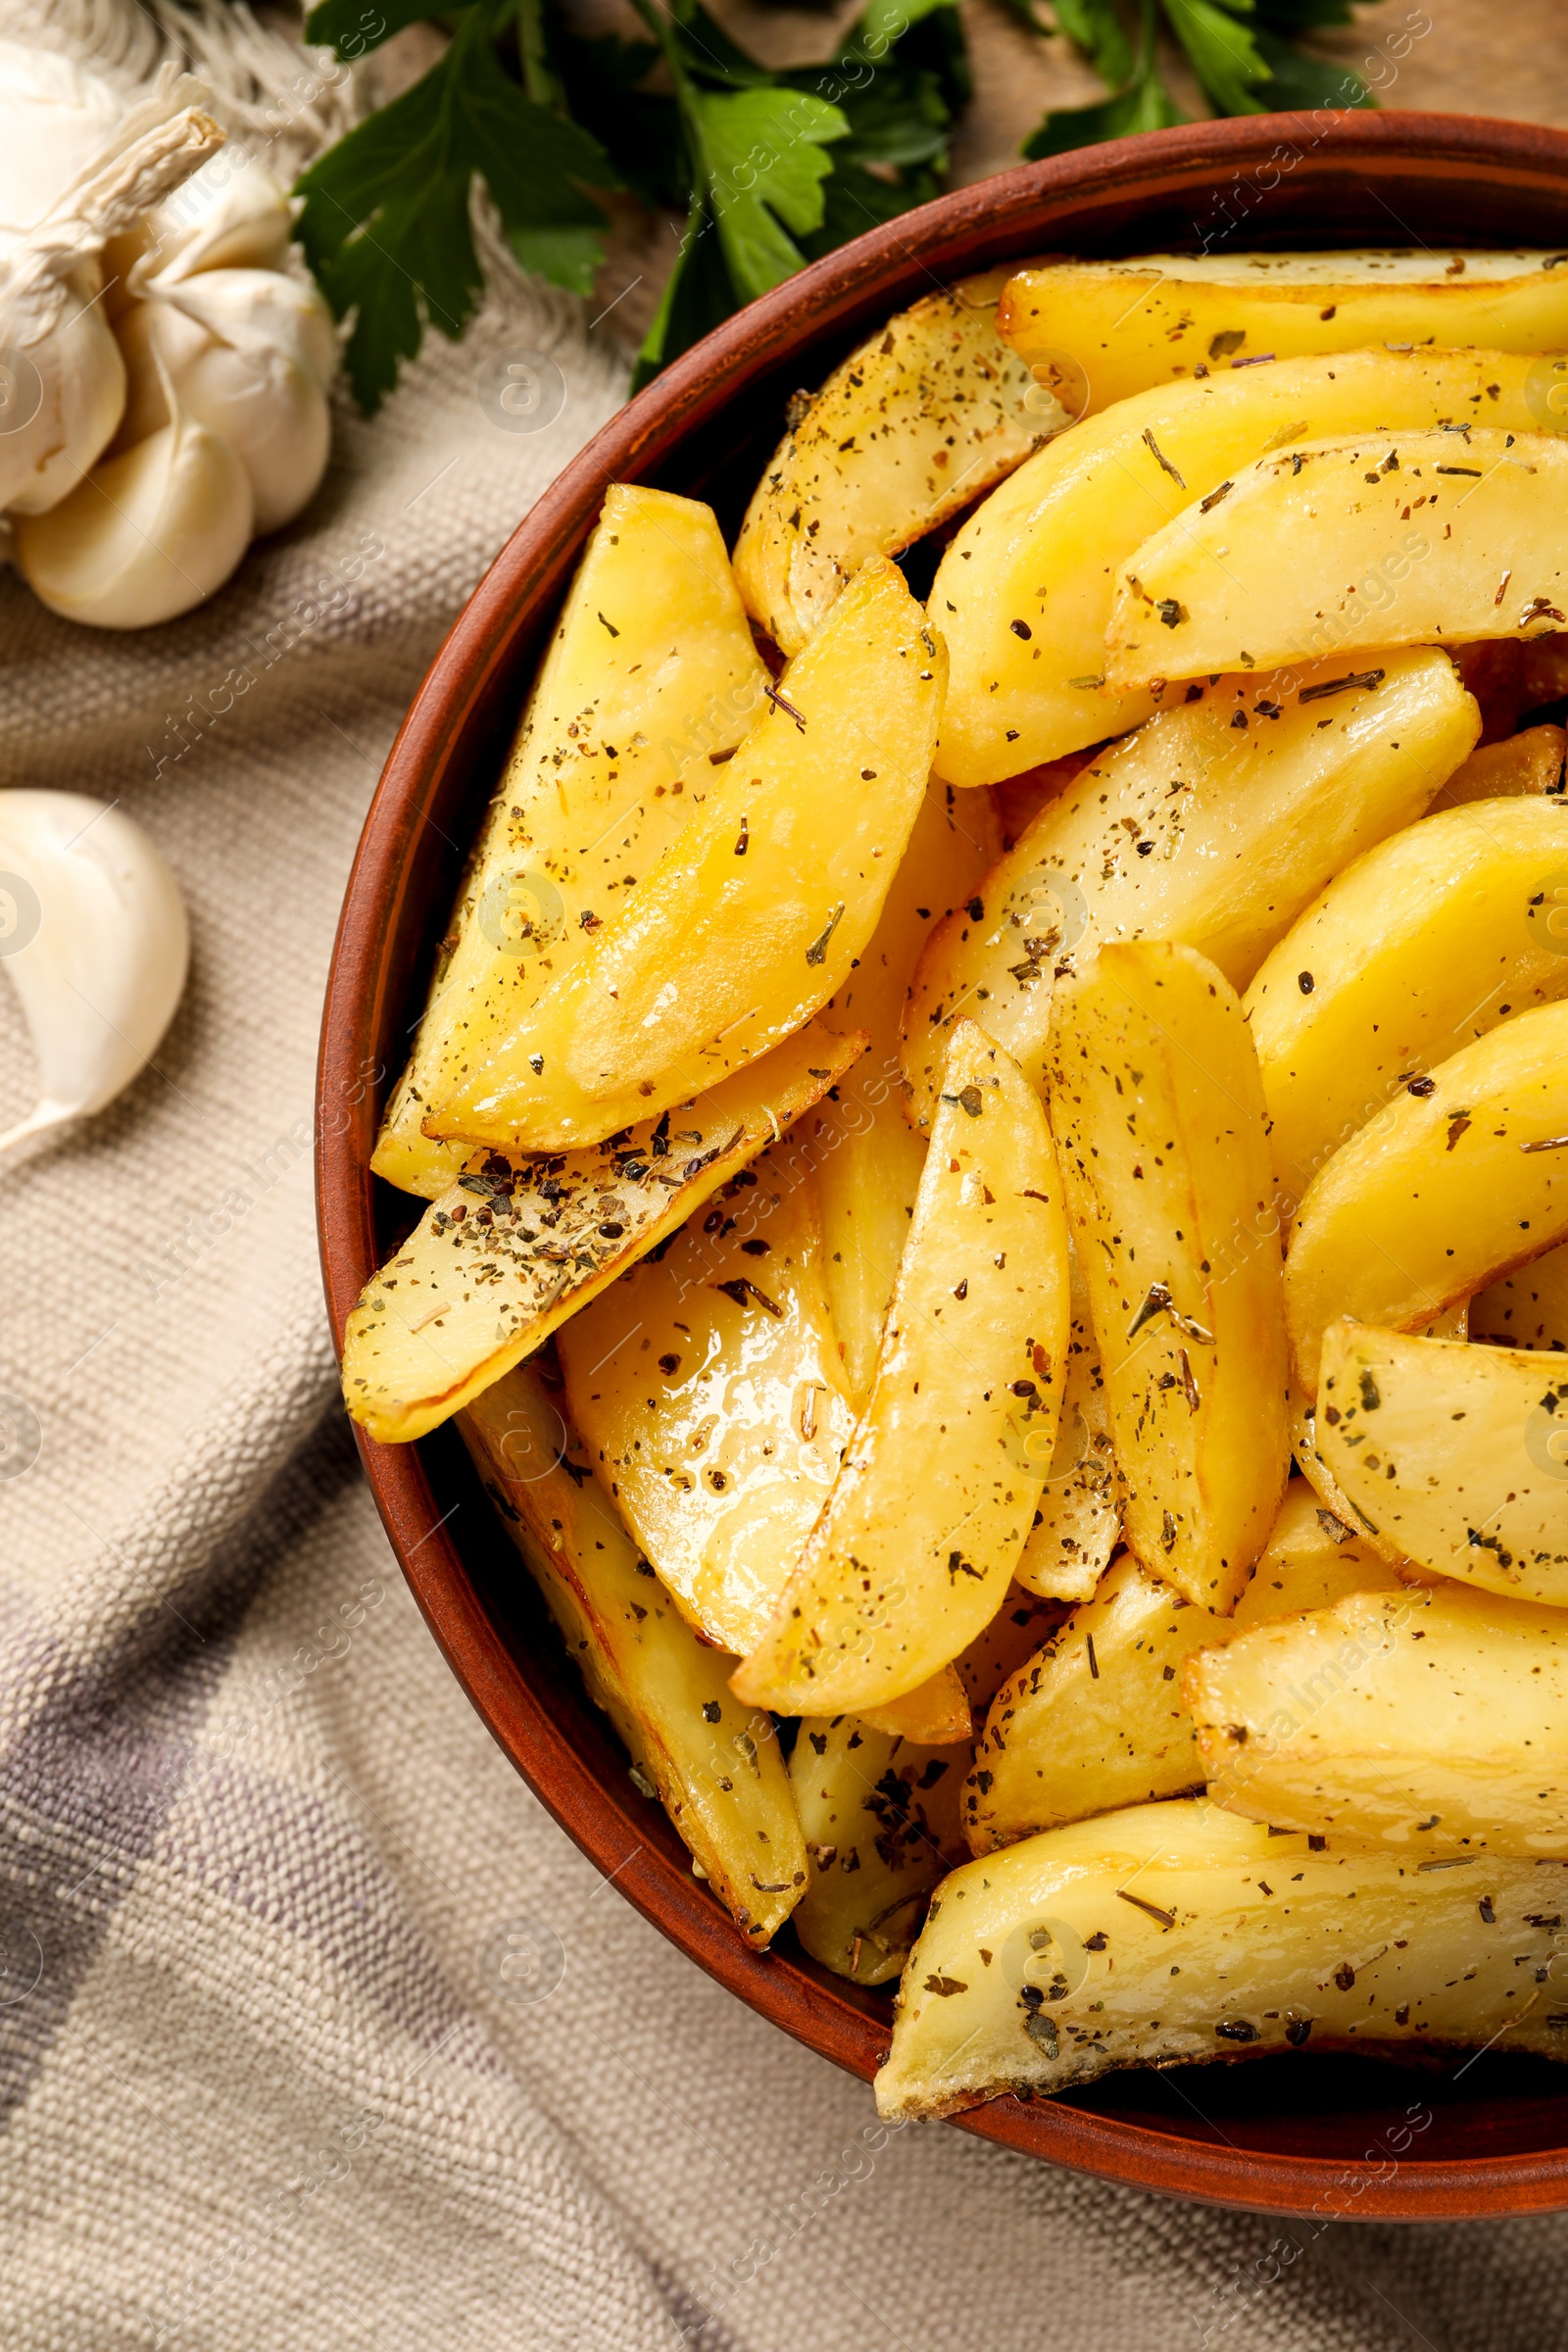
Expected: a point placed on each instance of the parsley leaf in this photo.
(353, 27)
(1095, 28)
(763, 158)
(1240, 50)
(1142, 103)
(770, 168)
(783, 172)
(386, 221)
(1221, 52)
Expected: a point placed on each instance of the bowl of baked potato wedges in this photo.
(944, 1159)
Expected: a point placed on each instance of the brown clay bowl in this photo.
(1309, 2134)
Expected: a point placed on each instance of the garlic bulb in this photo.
(249, 353)
(64, 381)
(93, 935)
(147, 535)
(147, 311)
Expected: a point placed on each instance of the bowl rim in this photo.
(995, 219)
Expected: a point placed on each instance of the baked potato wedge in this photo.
(1215, 823)
(717, 1767)
(921, 419)
(916, 1546)
(1434, 1720)
(1160, 315)
(1528, 1308)
(1529, 762)
(1312, 1560)
(1455, 1455)
(1456, 1182)
(1025, 593)
(651, 675)
(936, 1713)
(1440, 535)
(1158, 1118)
(1024, 1622)
(880, 1819)
(752, 920)
(518, 1244)
(1094, 1720)
(706, 1387)
(1077, 1520)
(1179, 1932)
(1422, 946)
(868, 1164)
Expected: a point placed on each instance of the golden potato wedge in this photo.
(1078, 1518)
(916, 1546)
(1018, 800)
(1528, 1308)
(753, 919)
(1022, 1623)
(1312, 1560)
(1325, 1486)
(716, 1767)
(1094, 1720)
(880, 1819)
(1146, 321)
(1528, 763)
(1175, 1933)
(1158, 1117)
(869, 1168)
(517, 1245)
(1433, 1719)
(936, 1713)
(1419, 948)
(708, 1393)
(924, 417)
(651, 673)
(1440, 535)
(1194, 828)
(1451, 1324)
(1024, 594)
(1455, 1455)
(1458, 1180)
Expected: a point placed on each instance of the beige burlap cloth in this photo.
(269, 2074)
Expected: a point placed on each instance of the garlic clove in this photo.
(67, 392)
(275, 419)
(271, 413)
(94, 938)
(240, 347)
(230, 214)
(149, 333)
(258, 311)
(148, 535)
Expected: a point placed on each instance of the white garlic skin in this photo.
(67, 393)
(95, 942)
(54, 118)
(148, 535)
(252, 391)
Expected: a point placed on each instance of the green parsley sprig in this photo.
(1242, 53)
(770, 170)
